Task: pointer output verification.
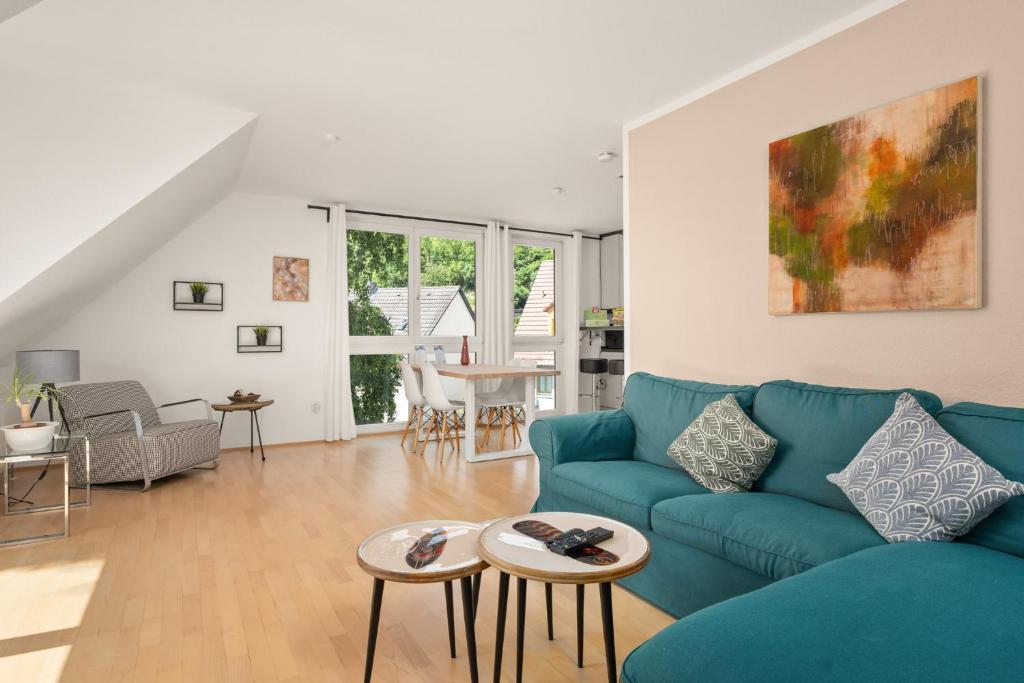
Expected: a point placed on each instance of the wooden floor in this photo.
(248, 572)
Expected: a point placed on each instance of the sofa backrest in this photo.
(820, 429)
(81, 400)
(661, 409)
(996, 435)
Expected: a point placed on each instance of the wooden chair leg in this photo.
(440, 435)
(455, 431)
(426, 435)
(418, 416)
(501, 415)
(408, 423)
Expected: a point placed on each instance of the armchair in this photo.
(127, 439)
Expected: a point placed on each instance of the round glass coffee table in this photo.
(431, 551)
(515, 547)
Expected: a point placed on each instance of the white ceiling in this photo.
(472, 108)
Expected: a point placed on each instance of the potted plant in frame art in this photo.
(261, 334)
(199, 290)
(28, 434)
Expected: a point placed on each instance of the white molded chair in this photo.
(417, 403)
(446, 421)
(505, 402)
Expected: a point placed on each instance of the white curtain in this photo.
(571, 346)
(339, 418)
(496, 306)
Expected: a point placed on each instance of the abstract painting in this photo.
(879, 211)
(291, 278)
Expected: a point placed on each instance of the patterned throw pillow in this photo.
(723, 450)
(914, 482)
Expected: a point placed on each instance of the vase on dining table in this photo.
(465, 350)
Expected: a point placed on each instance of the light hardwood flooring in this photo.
(248, 572)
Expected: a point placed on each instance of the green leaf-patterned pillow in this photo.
(723, 450)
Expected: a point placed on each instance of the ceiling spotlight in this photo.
(557, 190)
(331, 137)
(605, 157)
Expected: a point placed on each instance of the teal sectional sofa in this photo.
(789, 582)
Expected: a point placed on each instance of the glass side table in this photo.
(62, 449)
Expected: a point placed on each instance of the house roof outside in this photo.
(535, 320)
(434, 302)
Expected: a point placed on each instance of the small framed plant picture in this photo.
(291, 278)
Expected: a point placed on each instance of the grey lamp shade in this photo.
(48, 365)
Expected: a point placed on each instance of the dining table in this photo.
(474, 373)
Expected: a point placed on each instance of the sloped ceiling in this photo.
(451, 107)
(93, 179)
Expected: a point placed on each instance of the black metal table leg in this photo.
(222, 416)
(499, 629)
(477, 579)
(450, 611)
(371, 643)
(252, 414)
(547, 602)
(520, 625)
(608, 625)
(256, 417)
(469, 616)
(580, 594)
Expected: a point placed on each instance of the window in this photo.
(545, 385)
(378, 284)
(378, 396)
(534, 295)
(447, 287)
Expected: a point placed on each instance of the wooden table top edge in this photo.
(409, 577)
(612, 574)
(481, 371)
(251, 405)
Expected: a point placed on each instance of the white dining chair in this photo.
(417, 404)
(505, 402)
(446, 422)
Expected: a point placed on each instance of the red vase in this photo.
(465, 350)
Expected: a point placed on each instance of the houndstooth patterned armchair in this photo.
(126, 438)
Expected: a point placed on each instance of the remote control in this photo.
(574, 539)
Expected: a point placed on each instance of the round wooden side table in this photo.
(516, 554)
(253, 407)
(431, 551)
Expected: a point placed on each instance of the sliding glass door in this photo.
(408, 286)
(537, 333)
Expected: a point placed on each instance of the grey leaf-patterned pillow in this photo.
(914, 482)
(723, 450)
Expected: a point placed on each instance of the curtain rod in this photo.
(442, 220)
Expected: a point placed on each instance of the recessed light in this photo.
(557, 190)
(605, 157)
(331, 137)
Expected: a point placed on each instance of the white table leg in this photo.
(531, 409)
(469, 443)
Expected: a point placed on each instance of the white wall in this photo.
(130, 331)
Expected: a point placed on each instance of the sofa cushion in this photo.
(819, 430)
(661, 408)
(912, 481)
(622, 489)
(997, 435)
(774, 535)
(910, 611)
(723, 450)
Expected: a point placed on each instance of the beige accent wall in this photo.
(698, 216)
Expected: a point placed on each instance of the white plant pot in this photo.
(29, 438)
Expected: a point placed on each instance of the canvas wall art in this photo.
(879, 211)
(291, 278)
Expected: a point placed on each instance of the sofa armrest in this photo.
(584, 437)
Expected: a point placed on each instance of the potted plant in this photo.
(199, 290)
(28, 434)
(261, 334)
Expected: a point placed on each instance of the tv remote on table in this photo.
(574, 539)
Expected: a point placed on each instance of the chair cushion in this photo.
(996, 434)
(774, 535)
(909, 612)
(622, 489)
(820, 429)
(661, 408)
(170, 448)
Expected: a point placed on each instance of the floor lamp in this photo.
(49, 366)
